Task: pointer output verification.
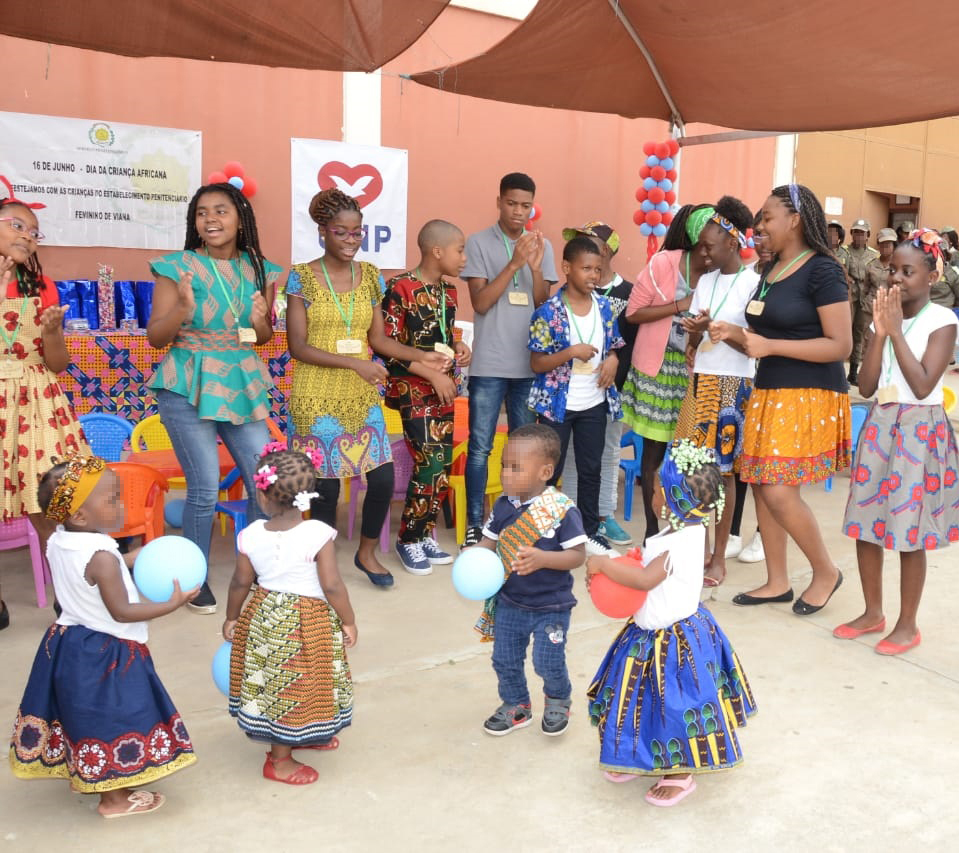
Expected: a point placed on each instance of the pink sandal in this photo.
(686, 786)
(611, 776)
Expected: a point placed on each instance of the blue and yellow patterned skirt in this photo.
(670, 701)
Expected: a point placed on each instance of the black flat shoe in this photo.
(744, 598)
(801, 608)
(376, 578)
(4, 616)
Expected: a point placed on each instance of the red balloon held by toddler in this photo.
(613, 599)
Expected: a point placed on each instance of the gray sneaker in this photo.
(555, 716)
(507, 718)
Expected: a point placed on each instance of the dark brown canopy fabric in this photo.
(750, 64)
(332, 35)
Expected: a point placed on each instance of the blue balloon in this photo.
(645, 229)
(173, 512)
(236, 181)
(663, 207)
(647, 206)
(478, 573)
(667, 163)
(659, 230)
(665, 185)
(221, 668)
(649, 184)
(652, 160)
(165, 559)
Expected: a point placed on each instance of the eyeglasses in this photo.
(342, 234)
(21, 227)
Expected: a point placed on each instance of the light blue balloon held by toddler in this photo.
(478, 574)
(165, 559)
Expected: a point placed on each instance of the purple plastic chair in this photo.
(19, 532)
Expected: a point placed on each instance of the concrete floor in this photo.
(843, 756)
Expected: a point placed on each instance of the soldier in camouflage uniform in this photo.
(860, 254)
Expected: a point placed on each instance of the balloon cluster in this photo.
(234, 174)
(534, 214)
(748, 252)
(656, 195)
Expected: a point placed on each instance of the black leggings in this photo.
(379, 493)
(741, 490)
(653, 454)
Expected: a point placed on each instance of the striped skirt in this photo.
(651, 403)
(290, 680)
(713, 415)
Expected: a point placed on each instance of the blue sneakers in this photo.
(436, 555)
(610, 528)
(413, 558)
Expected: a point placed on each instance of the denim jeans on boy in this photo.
(511, 632)
(487, 394)
(194, 442)
(588, 430)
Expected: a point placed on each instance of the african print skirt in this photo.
(651, 404)
(794, 436)
(345, 453)
(670, 701)
(904, 493)
(713, 414)
(95, 712)
(290, 681)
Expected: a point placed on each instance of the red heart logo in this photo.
(363, 182)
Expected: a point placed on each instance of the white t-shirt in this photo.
(584, 392)
(726, 297)
(69, 553)
(285, 560)
(917, 333)
(677, 597)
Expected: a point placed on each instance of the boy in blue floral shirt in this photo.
(573, 338)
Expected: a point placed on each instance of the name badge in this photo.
(888, 394)
(246, 335)
(11, 368)
(755, 307)
(583, 368)
(518, 297)
(349, 346)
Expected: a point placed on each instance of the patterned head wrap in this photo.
(697, 221)
(929, 240)
(682, 506)
(728, 226)
(794, 197)
(74, 486)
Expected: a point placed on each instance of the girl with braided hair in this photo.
(670, 693)
(295, 628)
(797, 419)
(333, 321)
(211, 303)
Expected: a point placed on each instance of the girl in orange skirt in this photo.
(797, 419)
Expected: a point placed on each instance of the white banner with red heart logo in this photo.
(376, 177)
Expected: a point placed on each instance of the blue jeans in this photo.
(511, 632)
(487, 394)
(194, 442)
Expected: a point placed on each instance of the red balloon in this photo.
(649, 148)
(644, 172)
(662, 150)
(249, 187)
(639, 217)
(654, 217)
(673, 147)
(669, 197)
(216, 178)
(657, 173)
(656, 195)
(641, 195)
(613, 599)
(233, 170)
(668, 218)
(672, 174)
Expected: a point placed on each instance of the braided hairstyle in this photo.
(49, 482)
(676, 237)
(328, 203)
(247, 238)
(706, 482)
(294, 474)
(31, 273)
(812, 220)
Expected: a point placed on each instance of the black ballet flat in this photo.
(801, 608)
(744, 599)
(376, 578)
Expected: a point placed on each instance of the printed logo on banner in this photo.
(363, 182)
(101, 134)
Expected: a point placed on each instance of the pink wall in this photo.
(585, 165)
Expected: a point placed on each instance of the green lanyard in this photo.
(764, 289)
(347, 321)
(9, 339)
(509, 253)
(593, 311)
(437, 301)
(234, 309)
(689, 284)
(905, 334)
(712, 316)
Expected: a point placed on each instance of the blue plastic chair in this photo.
(106, 434)
(858, 412)
(236, 510)
(631, 470)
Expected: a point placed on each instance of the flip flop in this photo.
(686, 786)
(331, 744)
(712, 583)
(611, 776)
(141, 802)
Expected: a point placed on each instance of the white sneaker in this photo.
(734, 546)
(598, 546)
(753, 552)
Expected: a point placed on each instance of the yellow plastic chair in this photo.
(150, 434)
(948, 399)
(394, 423)
(494, 486)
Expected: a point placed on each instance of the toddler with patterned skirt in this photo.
(670, 692)
(290, 683)
(94, 711)
(904, 494)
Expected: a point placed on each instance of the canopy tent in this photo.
(816, 65)
(332, 35)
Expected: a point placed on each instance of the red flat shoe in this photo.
(303, 775)
(844, 632)
(884, 647)
(331, 744)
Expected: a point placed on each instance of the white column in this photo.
(784, 166)
(362, 106)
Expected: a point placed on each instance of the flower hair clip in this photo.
(302, 500)
(929, 241)
(265, 477)
(273, 447)
(317, 457)
(681, 505)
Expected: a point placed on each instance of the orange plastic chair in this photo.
(151, 434)
(494, 486)
(143, 490)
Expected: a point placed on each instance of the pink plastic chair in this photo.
(19, 532)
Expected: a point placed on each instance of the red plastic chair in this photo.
(19, 532)
(143, 490)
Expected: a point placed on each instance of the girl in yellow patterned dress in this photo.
(333, 321)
